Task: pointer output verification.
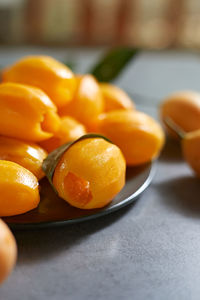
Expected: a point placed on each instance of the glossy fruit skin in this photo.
(184, 110)
(115, 98)
(8, 251)
(69, 130)
(18, 189)
(46, 73)
(90, 173)
(87, 103)
(27, 155)
(26, 113)
(190, 149)
(139, 136)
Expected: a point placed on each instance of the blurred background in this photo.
(152, 24)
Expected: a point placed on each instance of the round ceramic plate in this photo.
(53, 211)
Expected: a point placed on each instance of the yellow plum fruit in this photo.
(90, 173)
(183, 108)
(115, 98)
(87, 103)
(46, 73)
(138, 135)
(18, 189)
(26, 154)
(26, 113)
(190, 148)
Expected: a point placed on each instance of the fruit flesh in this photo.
(77, 189)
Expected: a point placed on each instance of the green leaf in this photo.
(110, 66)
(52, 160)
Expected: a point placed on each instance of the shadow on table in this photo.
(34, 245)
(181, 195)
(171, 151)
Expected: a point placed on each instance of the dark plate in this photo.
(53, 211)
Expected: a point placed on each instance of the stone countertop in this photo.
(148, 250)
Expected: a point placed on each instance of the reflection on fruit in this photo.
(28, 155)
(87, 103)
(115, 98)
(26, 113)
(69, 130)
(184, 109)
(8, 251)
(138, 135)
(46, 73)
(18, 189)
(90, 173)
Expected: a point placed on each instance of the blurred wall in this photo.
(143, 23)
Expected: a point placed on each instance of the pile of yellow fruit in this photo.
(43, 105)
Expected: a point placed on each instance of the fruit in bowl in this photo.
(90, 173)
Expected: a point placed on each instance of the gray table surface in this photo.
(149, 250)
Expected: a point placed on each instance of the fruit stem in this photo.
(177, 129)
